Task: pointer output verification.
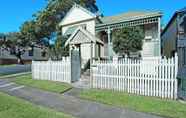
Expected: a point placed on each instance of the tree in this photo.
(59, 50)
(128, 40)
(14, 45)
(28, 33)
(31, 34)
(2, 36)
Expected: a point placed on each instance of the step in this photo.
(87, 72)
(85, 77)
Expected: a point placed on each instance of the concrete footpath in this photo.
(68, 103)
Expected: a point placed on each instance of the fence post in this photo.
(32, 69)
(176, 72)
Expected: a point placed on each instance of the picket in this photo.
(52, 70)
(149, 77)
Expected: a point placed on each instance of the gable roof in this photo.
(128, 16)
(91, 37)
(172, 19)
(181, 10)
(79, 7)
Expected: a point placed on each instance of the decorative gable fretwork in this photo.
(131, 23)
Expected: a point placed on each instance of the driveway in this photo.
(68, 104)
(14, 69)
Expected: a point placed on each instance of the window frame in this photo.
(31, 52)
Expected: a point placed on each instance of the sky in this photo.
(15, 12)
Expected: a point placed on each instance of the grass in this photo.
(12, 107)
(167, 108)
(2, 74)
(6, 74)
(57, 87)
(7, 65)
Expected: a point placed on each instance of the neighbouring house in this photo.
(91, 33)
(174, 40)
(31, 54)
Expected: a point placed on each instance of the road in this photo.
(14, 69)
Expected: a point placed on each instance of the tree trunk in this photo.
(19, 60)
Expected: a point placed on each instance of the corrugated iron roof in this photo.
(70, 30)
(128, 16)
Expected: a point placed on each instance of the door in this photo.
(75, 65)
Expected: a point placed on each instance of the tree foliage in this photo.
(28, 33)
(58, 50)
(2, 35)
(13, 44)
(128, 40)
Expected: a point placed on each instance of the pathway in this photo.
(68, 103)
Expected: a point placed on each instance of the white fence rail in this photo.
(149, 77)
(52, 70)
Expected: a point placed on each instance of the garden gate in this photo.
(75, 65)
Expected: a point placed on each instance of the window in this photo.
(173, 53)
(12, 52)
(84, 26)
(43, 53)
(148, 39)
(184, 86)
(31, 52)
(184, 25)
(184, 56)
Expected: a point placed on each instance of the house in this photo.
(174, 37)
(91, 34)
(174, 40)
(31, 54)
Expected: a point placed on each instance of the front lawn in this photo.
(9, 65)
(167, 108)
(4, 74)
(12, 107)
(57, 87)
(1, 74)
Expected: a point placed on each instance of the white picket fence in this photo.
(148, 77)
(52, 70)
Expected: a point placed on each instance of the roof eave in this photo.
(105, 24)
